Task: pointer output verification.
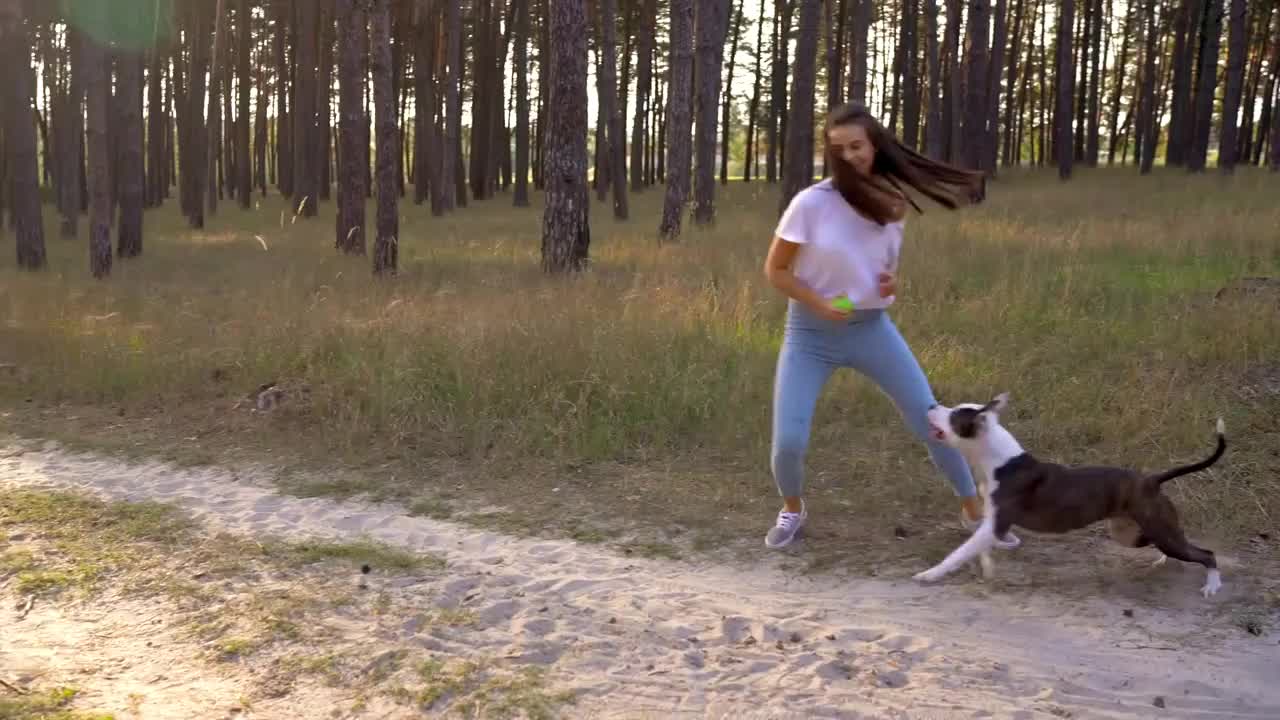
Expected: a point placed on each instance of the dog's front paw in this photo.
(927, 576)
(1212, 585)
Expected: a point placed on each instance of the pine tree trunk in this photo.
(863, 11)
(800, 124)
(611, 112)
(284, 116)
(1237, 48)
(975, 113)
(20, 139)
(244, 167)
(753, 108)
(386, 244)
(97, 96)
(777, 94)
(157, 117)
(1274, 104)
(934, 129)
(712, 22)
(1091, 128)
(911, 74)
(132, 170)
(521, 194)
(1146, 107)
(644, 79)
(1206, 85)
(991, 141)
(679, 119)
(71, 137)
(323, 139)
(1065, 85)
(196, 171)
(1118, 89)
(952, 107)
(214, 124)
(726, 104)
(566, 233)
(306, 175)
(1013, 96)
(350, 229)
(1182, 119)
(449, 159)
(260, 131)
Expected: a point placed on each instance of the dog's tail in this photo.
(1196, 467)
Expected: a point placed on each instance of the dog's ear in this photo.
(997, 404)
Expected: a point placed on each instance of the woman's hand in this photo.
(827, 312)
(888, 283)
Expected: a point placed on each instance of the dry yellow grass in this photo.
(643, 387)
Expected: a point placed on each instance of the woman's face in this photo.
(853, 145)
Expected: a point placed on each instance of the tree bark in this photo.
(521, 194)
(449, 159)
(1146, 105)
(952, 108)
(679, 119)
(1092, 124)
(863, 11)
(991, 141)
(386, 245)
(97, 95)
(975, 114)
(726, 104)
(70, 136)
(244, 167)
(910, 74)
(712, 21)
(1118, 90)
(934, 131)
(20, 139)
(753, 107)
(214, 124)
(157, 118)
(611, 110)
(323, 138)
(1182, 118)
(132, 172)
(1207, 83)
(1237, 48)
(351, 123)
(284, 107)
(566, 233)
(1065, 82)
(197, 135)
(644, 79)
(800, 124)
(306, 174)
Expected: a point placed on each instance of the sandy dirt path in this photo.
(639, 638)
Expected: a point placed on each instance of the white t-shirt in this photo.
(841, 251)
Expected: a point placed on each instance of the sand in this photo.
(640, 638)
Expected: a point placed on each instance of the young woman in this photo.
(839, 240)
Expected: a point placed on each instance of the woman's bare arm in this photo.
(778, 269)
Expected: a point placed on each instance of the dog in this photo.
(1051, 498)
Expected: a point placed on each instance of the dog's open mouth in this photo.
(937, 432)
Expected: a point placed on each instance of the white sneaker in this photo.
(1009, 542)
(786, 527)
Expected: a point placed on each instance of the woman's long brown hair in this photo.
(898, 164)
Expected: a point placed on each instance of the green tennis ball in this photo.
(842, 303)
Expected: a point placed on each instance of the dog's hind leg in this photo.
(1160, 525)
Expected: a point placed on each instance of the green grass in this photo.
(47, 705)
(642, 390)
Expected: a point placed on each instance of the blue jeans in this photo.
(869, 343)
